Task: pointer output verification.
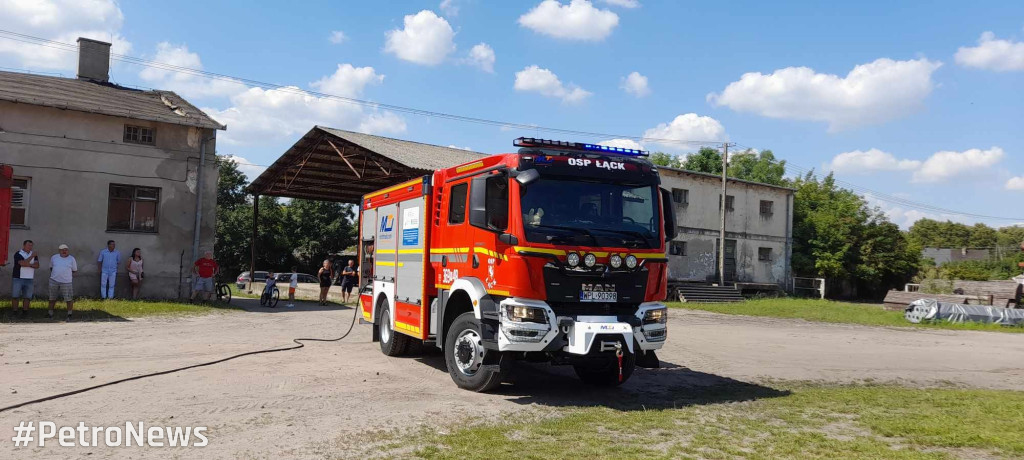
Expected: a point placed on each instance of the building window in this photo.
(19, 201)
(681, 196)
(729, 199)
(677, 248)
(457, 204)
(764, 254)
(132, 209)
(138, 135)
(766, 208)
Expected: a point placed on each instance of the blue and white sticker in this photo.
(411, 227)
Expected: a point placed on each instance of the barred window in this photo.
(19, 201)
(766, 207)
(133, 209)
(764, 254)
(729, 199)
(139, 135)
(680, 196)
(677, 248)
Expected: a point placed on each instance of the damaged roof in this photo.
(102, 98)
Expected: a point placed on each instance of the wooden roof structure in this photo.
(335, 165)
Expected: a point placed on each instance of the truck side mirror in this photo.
(525, 177)
(669, 210)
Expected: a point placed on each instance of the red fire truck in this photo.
(554, 253)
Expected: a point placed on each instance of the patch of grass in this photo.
(107, 310)
(830, 312)
(809, 422)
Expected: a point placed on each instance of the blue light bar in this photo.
(564, 145)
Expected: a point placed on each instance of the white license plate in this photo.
(592, 296)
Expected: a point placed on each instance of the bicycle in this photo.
(223, 291)
(270, 298)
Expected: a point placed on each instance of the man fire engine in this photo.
(555, 253)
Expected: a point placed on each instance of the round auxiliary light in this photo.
(573, 259)
(589, 260)
(631, 261)
(615, 260)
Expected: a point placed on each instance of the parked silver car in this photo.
(243, 279)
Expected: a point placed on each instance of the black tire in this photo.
(458, 347)
(605, 373)
(224, 293)
(275, 295)
(263, 299)
(391, 342)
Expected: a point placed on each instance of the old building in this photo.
(758, 224)
(94, 161)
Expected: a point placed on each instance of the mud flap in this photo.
(647, 359)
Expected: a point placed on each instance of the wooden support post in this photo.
(252, 246)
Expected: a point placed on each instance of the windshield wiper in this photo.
(572, 229)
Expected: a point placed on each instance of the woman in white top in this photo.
(135, 272)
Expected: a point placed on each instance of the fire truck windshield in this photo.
(574, 212)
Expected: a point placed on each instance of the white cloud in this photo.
(337, 37)
(545, 82)
(875, 92)
(62, 21)
(247, 167)
(635, 84)
(992, 54)
(449, 8)
(905, 217)
(426, 39)
(186, 84)
(623, 3)
(687, 127)
(623, 143)
(1015, 183)
(866, 162)
(579, 20)
(259, 116)
(946, 164)
(482, 56)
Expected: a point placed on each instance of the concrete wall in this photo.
(72, 158)
(698, 222)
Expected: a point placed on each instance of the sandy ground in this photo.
(311, 403)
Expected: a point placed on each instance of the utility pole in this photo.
(721, 230)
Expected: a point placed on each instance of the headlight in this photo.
(631, 261)
(519, 313)
(573, 259)
(656, 316)
(615, 260)
(589, 260)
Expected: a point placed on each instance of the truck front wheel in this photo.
(472, 366)
(605, 373)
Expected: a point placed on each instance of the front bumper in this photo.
(576, 335)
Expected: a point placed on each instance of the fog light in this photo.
(573, 259)
(589, 260)
(615, 260)
(631, 261)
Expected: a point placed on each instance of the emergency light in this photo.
(579, 146)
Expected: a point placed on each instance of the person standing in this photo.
(293, 284)
(349, 278)
(134, 269)
(326, 275)
(23, 276)
(108, 262)
(63, 267)
(204, 270)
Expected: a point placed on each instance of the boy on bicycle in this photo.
(268, 290)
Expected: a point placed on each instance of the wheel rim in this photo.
(385, 330)
(468, 352)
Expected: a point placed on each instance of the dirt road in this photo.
(309, 403)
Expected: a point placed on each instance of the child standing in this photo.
(294, 283)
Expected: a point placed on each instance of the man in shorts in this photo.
(203, 271)
(23, 276)
(293, 283)
(62, 271)
(348, 280)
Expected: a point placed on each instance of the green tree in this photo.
(982, 236)
(836, 235)
(666, 159)
(757, 167)
(231, 185)
(706, 160)
(319, 229)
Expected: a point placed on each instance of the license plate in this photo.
(598, 296)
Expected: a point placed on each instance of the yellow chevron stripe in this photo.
(497, 292)
(474, 165)
(490, 253)
(449, 250)
(393, 188)
(407, 328)
(557, 252)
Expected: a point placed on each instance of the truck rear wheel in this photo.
(472, 366)
(605, 373)
(391, 342)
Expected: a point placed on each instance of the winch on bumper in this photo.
(529, 325)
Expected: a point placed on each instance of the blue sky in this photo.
(932, 112)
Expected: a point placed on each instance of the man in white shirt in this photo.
(293, 283)
(62, 271)
(23, 276)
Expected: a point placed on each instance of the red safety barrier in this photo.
(6, 177)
